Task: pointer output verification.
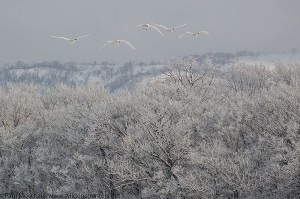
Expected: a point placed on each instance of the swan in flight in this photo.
(118, 42)
(194, 34)
(146, 26)
(169, 29)
(70, 40)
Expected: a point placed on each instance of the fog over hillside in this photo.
(123, 76)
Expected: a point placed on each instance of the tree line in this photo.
(194, 131)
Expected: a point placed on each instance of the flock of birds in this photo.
(145, 26)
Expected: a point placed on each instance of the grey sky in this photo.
(257, 25)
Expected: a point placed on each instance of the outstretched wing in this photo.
(156, 28)
(127, 43)
(180, 26)
(61, 37)
(140, 25)
(190, 33)
(164, 27)
(82, 36)
(204, 32)
(105, 44)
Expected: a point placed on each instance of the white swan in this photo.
(146, 26)
(118, 42)
(167, 28)
(70, 40)
(194, 34)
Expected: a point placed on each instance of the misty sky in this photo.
(256, 25)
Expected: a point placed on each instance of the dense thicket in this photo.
(193, 132)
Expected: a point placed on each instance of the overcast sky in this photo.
(256, 25)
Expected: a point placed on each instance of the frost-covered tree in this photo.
(194, 131)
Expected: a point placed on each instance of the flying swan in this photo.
(146, 26)
(194, 34)
(70, 40)
(118, 42)
(171, 29)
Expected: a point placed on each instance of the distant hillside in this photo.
(109, 75)
(113, 76)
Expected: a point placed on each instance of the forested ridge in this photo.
(193, 131)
